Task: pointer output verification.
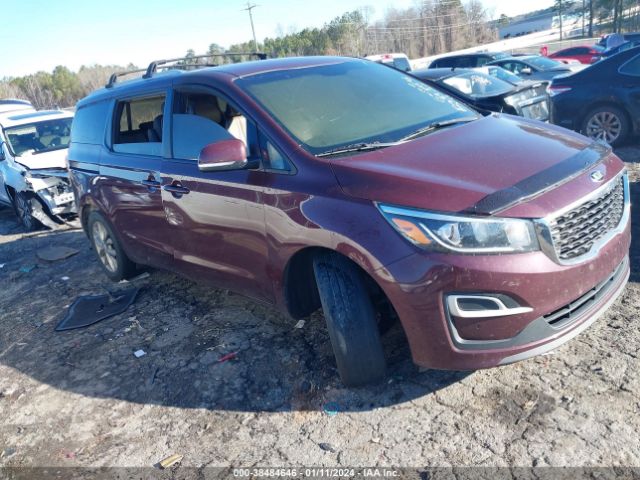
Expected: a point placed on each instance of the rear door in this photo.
(629, 83)
(216, 219)
(129, 181)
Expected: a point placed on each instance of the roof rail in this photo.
(170, 63)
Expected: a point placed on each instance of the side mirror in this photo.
(526, 71)
(228, 154)
(2, 158)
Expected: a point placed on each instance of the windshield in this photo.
(478, 85)
(502, 74)
(500, 55)
(544, 63)
(402, 63)
(329, 106)
(39, 137)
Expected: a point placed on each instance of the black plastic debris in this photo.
(90, 309)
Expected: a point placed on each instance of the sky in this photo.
(41, 34)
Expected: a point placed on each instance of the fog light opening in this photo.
(480, 306)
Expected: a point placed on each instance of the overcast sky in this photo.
(40, 34)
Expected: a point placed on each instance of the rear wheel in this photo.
(351, 320)
(112, 258)
(607, 123)
(23, 206)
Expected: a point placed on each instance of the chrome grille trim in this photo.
(567, 239)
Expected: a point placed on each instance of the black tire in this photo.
(603, 122)
(351, 320)
(111, 256)
(23, 206)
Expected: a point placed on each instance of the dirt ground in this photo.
(81, 398)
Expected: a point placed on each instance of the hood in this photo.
(52, 159)
(452, 169)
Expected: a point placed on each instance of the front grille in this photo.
(572, 311)
(575, 232)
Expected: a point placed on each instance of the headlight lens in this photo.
(463, 234)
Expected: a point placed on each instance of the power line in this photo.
(428, 27)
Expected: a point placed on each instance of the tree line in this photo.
(613, 15)
(427, 28)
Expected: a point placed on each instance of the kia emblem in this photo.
(597, 176)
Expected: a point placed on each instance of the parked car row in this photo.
(598, 100)
(490, 92)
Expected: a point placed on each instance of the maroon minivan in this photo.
(343, 184)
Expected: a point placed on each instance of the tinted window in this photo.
(632, 67)
(447, 62)
(515, 67)
(544, 63)
(568, 51)
(328, 106)
(138, 126)
(89, 123)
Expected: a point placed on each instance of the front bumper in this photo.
(418, 287)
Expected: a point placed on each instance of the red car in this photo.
(583, 54)
(341, 184)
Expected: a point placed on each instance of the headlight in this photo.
(464, 234)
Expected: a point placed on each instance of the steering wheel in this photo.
(55, 142)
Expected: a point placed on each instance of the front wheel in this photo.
(351, 320)
(607, 123)
(23, 206)
(112, 258)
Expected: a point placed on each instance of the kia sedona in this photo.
(342, 184)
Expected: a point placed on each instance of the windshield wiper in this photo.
(437, 125)
(357, 147)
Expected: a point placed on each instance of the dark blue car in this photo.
(602, 101)
(620, 48)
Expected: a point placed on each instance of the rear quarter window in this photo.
(89, 123)
(632, 67)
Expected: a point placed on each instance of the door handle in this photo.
(176, 189)
(151, 184)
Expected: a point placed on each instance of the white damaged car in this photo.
(33, 166)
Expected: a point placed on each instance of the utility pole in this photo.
(253, 30)
(560, 8)
(583, 12)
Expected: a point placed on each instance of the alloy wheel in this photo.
(604, 126)
(104, 247)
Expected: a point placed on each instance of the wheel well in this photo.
(301, 290)
(84, 216)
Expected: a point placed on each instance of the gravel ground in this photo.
(81, 398)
